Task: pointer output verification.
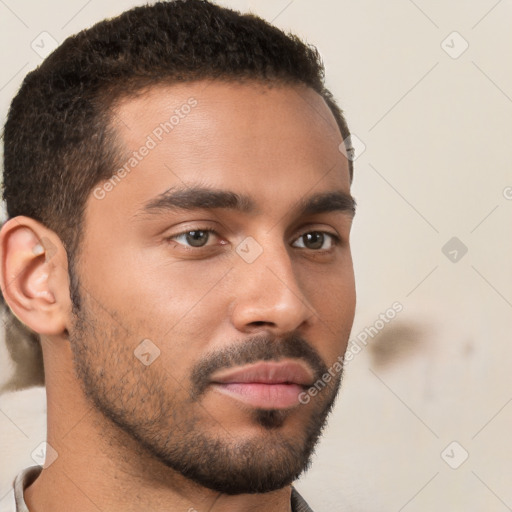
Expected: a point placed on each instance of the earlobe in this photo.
(31, 277)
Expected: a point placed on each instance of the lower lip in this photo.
(263, 396)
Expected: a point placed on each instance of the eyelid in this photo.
(317, 227)
(186, 231)
(336, 239)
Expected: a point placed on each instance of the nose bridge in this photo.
(269, 290)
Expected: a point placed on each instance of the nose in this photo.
(269, 296)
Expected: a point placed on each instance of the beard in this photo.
(166, 418)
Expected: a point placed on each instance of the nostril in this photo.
(258, 323)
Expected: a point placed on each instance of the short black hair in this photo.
(57, 142)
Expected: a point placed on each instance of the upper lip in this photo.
(264, 372)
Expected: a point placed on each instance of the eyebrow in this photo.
(205, 198)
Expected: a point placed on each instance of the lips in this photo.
(268, 385)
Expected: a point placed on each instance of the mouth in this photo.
(266, 385)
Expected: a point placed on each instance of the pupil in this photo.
(197, 238)
(314, 240)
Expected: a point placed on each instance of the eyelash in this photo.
(205, 230)
(336, 240)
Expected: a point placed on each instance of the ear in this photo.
(34, 276)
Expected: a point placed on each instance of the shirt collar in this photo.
(22, 481)
(28, 475)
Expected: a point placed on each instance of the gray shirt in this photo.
(27, 476)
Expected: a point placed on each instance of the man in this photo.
(178, 192)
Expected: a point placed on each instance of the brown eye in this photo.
(316, 240)
(197, 238)
(193, 238)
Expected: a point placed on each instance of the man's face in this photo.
(225, 247)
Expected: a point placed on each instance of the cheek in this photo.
(181, 292)
(148, 285)
(177, 305)
(332, 296)
(330, 289)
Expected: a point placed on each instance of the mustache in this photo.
(252, 350)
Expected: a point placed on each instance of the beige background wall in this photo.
(427, 90)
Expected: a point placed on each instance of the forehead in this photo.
(246, 137)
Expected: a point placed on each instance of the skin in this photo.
(139, 280)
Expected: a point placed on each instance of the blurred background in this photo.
(424, 417)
